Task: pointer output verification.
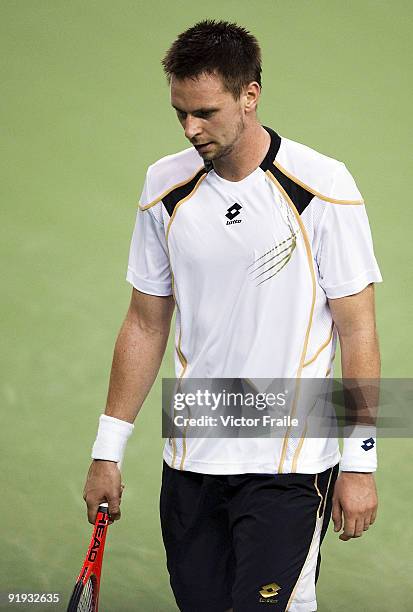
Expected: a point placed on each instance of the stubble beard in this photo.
(225, 150)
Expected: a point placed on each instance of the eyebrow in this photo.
(197, 110)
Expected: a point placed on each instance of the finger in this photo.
(373, 517)
(366, 523)
(92, 510)
(114, 509)
(336, 515)
(359, 528)
(349, 528)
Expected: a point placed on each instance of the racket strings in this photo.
(87, 599)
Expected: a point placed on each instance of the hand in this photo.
(103, 484)
(355, 497)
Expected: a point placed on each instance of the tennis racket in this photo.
(85, 596)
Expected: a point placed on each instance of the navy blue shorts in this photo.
(248, 542)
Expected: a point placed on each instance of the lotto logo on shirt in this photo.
(232, 212)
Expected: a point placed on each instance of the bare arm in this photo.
(355, 494)
(354, 317)
(138, 354)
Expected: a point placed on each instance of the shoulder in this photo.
(170, 173)
(323, 176)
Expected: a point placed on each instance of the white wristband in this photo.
(359, 449)
(111, 438)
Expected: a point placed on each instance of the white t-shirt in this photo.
(251, 265)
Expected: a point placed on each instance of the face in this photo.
(212, 119)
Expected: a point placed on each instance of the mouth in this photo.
(202, 147)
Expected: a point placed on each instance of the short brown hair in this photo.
(215, 46)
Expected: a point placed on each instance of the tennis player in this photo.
(263, 246)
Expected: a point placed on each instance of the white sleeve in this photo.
(345, 255)
(148, 265)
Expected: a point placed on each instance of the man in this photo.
(264, 246)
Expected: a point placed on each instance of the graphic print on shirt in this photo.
(270, 263)
(273, 261)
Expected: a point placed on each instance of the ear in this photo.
(251, 96)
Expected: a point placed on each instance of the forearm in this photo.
(360, 355)
(360, 364)
(136, 361)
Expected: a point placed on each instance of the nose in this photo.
(192, 127)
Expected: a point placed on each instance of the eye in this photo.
(204, 114)
(181, 115)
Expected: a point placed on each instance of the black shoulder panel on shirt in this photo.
(178, 194)
(298, 195)
(272, 151)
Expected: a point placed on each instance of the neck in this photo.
(247, 154)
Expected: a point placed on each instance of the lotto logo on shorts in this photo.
(268, 592)
(368, 444)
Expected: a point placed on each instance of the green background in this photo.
(84, 110)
